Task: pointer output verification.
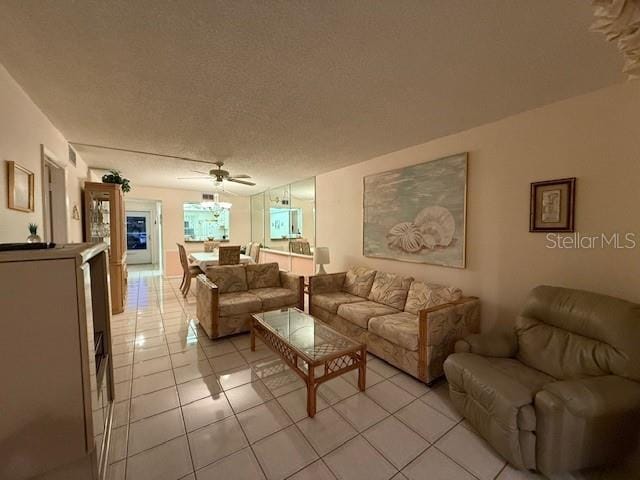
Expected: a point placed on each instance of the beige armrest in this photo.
(439, 329)
(207, 305)
(489, 345)
(293, 282)
(331, 282)
(600, 413)
(597, 396)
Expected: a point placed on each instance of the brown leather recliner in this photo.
(563, 393)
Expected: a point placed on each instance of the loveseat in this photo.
(228, 295)
(412, 325)
(562, 391)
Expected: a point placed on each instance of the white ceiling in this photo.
(287, 90)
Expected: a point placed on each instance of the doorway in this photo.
(54, 198)
(143, 219)
(139, 237)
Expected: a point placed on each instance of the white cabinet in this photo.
(56, 374)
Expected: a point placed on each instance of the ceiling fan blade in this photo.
(243, 182)
(198, 171)
(242, 175)
(194, 178)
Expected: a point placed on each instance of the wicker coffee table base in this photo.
(331, 364)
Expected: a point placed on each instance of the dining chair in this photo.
(305, 248)
(188, 271)
(300, 246)
(294, 246)
(229, 255)
(254, 252)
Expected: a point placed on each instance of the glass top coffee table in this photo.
(315, 351)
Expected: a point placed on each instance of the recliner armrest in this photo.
(489, 345)
(585, 423)
(328, 283)
(597, 396)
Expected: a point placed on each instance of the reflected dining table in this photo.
(210, 259)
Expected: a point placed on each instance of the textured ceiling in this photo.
(286, 90)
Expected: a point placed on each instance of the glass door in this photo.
(138, 237)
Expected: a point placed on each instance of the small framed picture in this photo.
(20, 187)
(553, 205)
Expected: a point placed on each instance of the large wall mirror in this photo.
(283, 218)
(202, 222)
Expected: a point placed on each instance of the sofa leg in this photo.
(435, 381)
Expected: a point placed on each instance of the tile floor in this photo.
(191, 408)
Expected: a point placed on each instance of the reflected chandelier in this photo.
(213, 203)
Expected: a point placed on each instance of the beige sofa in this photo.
(410, 324)
(563, 392)
(228, 295)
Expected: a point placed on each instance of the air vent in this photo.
(72, 156)
(208, 197)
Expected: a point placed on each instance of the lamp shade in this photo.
(321, 256)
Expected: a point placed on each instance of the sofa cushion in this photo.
(238, 302)
(398, 328)
(426, 295)
(228, 278)
(263, 275)
(390, 289)
(504, 387)
(358, 281)
(275, 297)
(331, 301)
(359, 313)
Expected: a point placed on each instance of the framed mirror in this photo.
(20, 187)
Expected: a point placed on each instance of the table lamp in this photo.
(321, 257)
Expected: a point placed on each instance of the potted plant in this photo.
(33, 230)
(114, 177)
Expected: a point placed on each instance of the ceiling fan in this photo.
(217, 174)
(220, 175)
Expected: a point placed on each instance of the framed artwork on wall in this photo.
(20, 187)
(552, 205)
(418, 213)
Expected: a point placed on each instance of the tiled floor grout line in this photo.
(235, 415)
(456, 462)
(294, 423)
(133, 356)
(131, 396)
(501, 470)
(185, 315)
(184, 423)
(249, 445)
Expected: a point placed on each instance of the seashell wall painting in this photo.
(432, 227)
(417, 213)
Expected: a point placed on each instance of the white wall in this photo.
(23, 128)
(595, 137)
(173, 219)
